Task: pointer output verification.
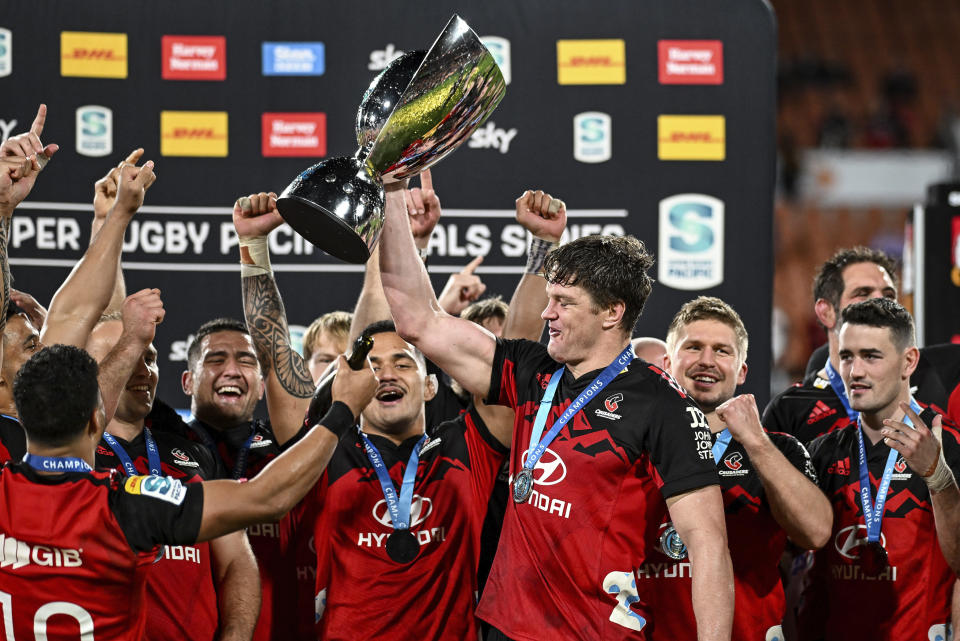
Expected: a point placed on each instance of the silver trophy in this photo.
(418, 110)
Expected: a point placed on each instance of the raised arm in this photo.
(423, 209)
(795, 501)
(462, 349)
(698, 517)
(231, 505)
(142, 312)
(104, 197)
(288, 382)
(76, 307)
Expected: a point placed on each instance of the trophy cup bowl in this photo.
(416, 112)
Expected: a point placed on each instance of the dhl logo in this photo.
(194, 133)
(93, 55)
(591, 62)
(691, 137)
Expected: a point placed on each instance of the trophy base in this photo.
(324, 229)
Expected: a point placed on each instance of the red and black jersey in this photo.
(912, 597)
(566, 564)
(76, 548)
(13, 440)
(362, 593)
(284, 553)
(806, 410)
(756, 543)
(181, 597)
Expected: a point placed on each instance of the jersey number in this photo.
(44, 612)
(624, 586)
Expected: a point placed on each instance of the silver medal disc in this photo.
(523, 485)
(672, 545)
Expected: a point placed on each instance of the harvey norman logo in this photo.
(592, 137)
(6, 52)
(591, 62)
(690, 62)
(293, 59)
(193, 133)
(691, 241)
(691, 137)
(194, 57)
(86, 54)
(16, 554)
(94, 131)
(294, 134)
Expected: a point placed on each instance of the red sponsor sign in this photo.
(294, 134)
(690, 62)
(194, 57)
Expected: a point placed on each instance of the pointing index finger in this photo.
(472, 265)
(134, 156)
(40, 120)
(426, 180)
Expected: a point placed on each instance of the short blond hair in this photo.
(337, 324)
(709, 308)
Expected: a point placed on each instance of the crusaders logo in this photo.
(179, 454)
(613, 402)
(734, 461)
(900, 466)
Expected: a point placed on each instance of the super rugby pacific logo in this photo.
(420, 509)
(549, 470)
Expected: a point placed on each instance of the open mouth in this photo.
(229, 392)
(704, 379)
(389, 395)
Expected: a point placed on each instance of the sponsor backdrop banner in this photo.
(654, 119)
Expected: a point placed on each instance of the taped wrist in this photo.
(338, 419)
(258, 252)
(537, 252)
(940, 477)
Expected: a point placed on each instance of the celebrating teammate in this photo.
(889, 568)
(572, 538)
(768, 483)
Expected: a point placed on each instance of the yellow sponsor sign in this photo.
(86, 54)
(132, 486)
(591, 62)
(691, 138)
(193, 133)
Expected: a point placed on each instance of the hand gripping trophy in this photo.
(416, 112)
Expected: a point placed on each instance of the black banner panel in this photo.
(654, 119)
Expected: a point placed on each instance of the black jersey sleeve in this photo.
(679, 439)
(156, 510)
(796, 453)
(823, 455)
(773, 419)
(515, 364)
(12, 439)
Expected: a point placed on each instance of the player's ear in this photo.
(430, 386)
(186, 382)
(911, 358)
(613, 314)
(825, 312)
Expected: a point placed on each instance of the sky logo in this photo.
(592, 137)
(691, 241)
(293, 59)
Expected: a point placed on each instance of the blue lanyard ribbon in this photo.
(721, 444)
(537, 445)
(873, 514)
(56, 463)
(240, 464)
(153, 454)
(837, 384)
(399, 507)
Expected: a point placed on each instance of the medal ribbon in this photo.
(56, 463)
(721, 445)
(538, 446)
(837, 384)
(240, 465)
(873, 514)
(153, 454)
(399, 507)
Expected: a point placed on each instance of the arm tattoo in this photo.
(4, 270)
(267, 324)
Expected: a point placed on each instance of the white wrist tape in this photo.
(259, 251)
(941, 478)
